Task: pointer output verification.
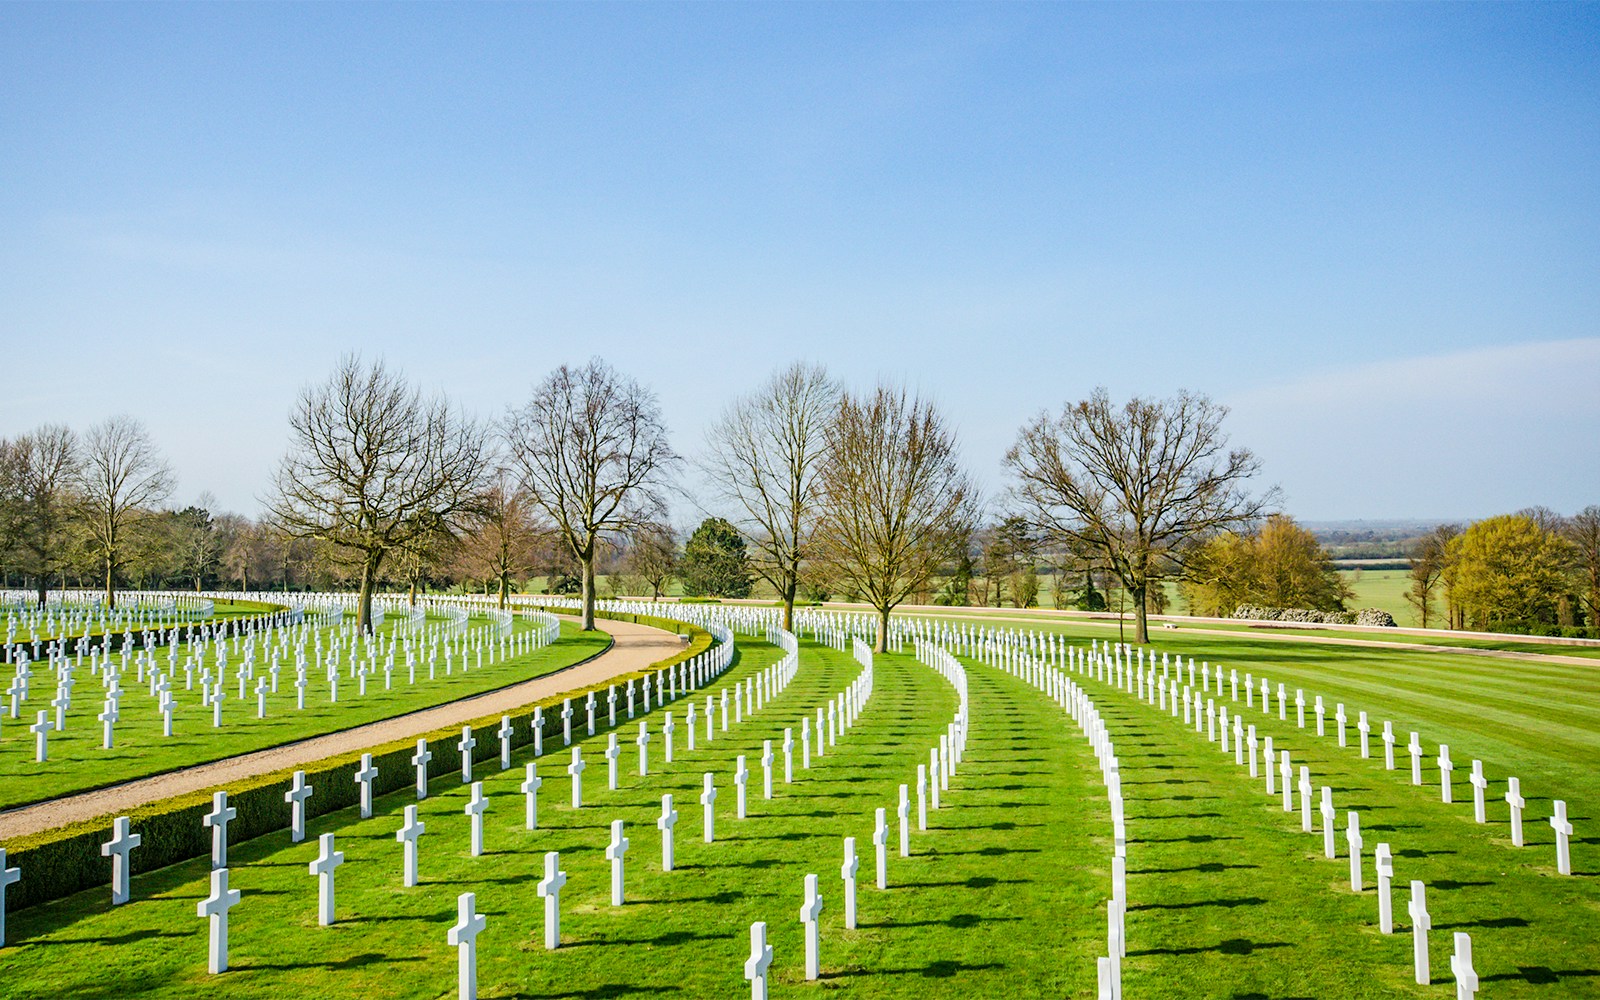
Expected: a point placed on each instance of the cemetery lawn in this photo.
(1003, 896)
(78, 763)
(225, 610)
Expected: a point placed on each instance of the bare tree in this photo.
(501, 544)
(374, 468)
(763, 457)
(896, 504)
(1582, 530)
(653, 556)
(591, 449)
(1430, 559)
(120, 481)
(37, 471)
(1135, 482)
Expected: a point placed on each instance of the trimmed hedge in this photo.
(60, 862)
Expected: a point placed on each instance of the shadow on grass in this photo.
(1232, 946)
(940, 969)
(1540, 975)
(353, 962)
(598, 992)
(1225, 903)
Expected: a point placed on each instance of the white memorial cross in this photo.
(409, 833)
(576, 769)
(1352, 837)
(616, 853)
(364, 777)
(1461, 966)
(217, 819)
(1339, 718)
(41, 733)
(766, 769)
(1327, 823)
(466, 746)
(1563, 829)
(1365, 729)
(464, 938)
(1420, 924)
(810, 911)
(643, 739)
(296, 796)
(1383, 865)
(788, 755)
(474, 809)
(741, 776)
(1446, 765)
(708, 799)
(419, 760)
(665, 823)
(1479, 785)
(1414, 748)
(1515, 801)
(922, 796)
(504, 732)
(1388, 746)
(327, 860)
(122, 842)
(755, 967)
(847, 872)
(880, 841)
(216, 907)
(613, 754)
(903, 812)
(108, 719)
(668, 727)
(550, 888)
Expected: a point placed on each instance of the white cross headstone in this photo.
(880, 841)
(576, 769)
(1383, 865)
(1327, 823)
(665, 823)
(1563, 829)
(419, 760)
(612, 754)
(810, 911)
(1461, 966)
(1388, 746)
(1479, 785)
(668, 727)
(1352, 837)
(466, 746)
(122, 842)
(216, 907)
(41, 732)
(903, 813)
(847, 872)
(217, 819)
(296, 796)
(755, 967)
(766, 769)
(708, 799)
(1414, 748)
(409, 833)
(788, 755)
(741, 776)
(616, 852)
(643, 739)
(464, 938)
(1446, 765)
(922, 796)
(323, 867)
(550, 888)
(504, 732)
(365, 774)
(1421, 922)
(474, 809)
(1516, 802)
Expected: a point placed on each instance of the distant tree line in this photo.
(809, 491)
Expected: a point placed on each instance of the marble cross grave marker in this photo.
(323, 867)
(215, 907)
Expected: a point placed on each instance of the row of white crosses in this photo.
(953, 742)
(1055, 683)
(274, 636)
(1104, 663)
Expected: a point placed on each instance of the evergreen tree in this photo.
(715, 563)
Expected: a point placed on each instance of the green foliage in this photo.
(715, 563)
(1507, 574)
(1280, 565)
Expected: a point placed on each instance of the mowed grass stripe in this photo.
(1245, 865)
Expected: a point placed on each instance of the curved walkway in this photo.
(633, 648)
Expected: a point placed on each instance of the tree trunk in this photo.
(789, 588)
(588, 593)
(505, 589)
(111, 593)
(369, 577)
(1141, 627)
(44, 589)
(883, 631)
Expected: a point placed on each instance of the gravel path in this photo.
(634, 647)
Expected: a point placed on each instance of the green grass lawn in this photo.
(78, 762)
(1004, 895)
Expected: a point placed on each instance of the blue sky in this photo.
(1372, 230)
